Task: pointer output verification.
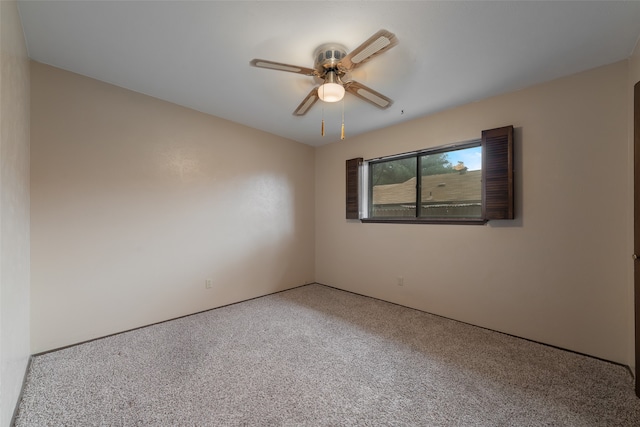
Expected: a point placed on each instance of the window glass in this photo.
(393, 188)
(451, 184)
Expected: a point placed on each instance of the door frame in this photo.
(636, 227)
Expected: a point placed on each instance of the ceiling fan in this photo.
(331, 65)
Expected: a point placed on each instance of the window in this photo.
(470, 182)
(439, 183)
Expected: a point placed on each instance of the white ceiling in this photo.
(197, 54)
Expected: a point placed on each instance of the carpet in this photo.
(318, 356)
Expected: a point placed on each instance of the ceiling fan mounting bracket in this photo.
(327, 58)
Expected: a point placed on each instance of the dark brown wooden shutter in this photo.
(353, 198)
(497, 173)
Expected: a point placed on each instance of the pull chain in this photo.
(322, 131)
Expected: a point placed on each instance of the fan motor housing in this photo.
(327, 57)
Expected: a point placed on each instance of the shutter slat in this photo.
(497, 173)
(353, 197)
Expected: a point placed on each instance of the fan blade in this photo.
(307, 103)
(368, 94)
(263, 63)
(379, 43)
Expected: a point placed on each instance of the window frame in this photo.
(497, 181)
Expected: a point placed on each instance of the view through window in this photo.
(429, 184)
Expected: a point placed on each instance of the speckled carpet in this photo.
(318, 356)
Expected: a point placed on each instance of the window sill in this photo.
(460, 221)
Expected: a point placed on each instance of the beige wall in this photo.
(558, 273)
(634, 77)
(634, 64)
(137, 202)
(14, 209)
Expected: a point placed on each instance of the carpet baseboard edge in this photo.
(628, 368)
(12, 423)
(164, 321)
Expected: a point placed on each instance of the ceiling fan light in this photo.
(331, 92)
